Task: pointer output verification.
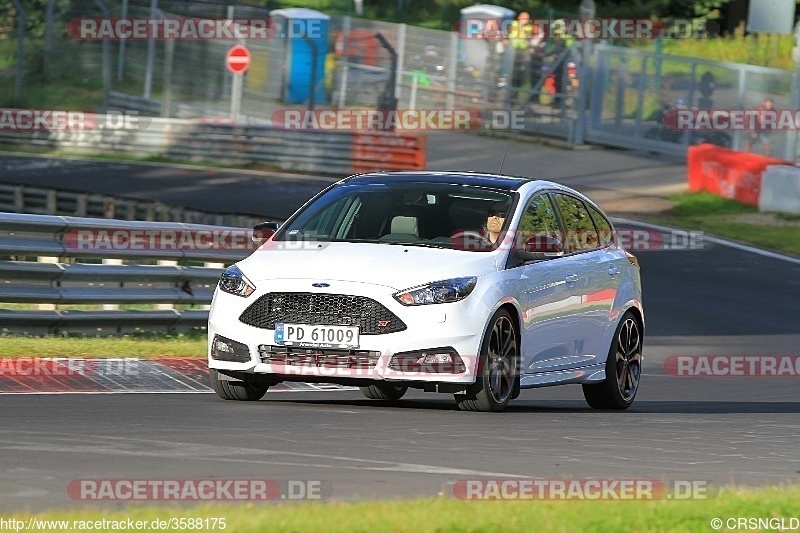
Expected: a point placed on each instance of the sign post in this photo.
(237, 61)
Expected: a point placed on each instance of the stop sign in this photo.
(238, 59)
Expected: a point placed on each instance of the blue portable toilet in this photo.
(305, 34)
(475, 52)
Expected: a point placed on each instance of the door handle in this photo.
(614, 270)
(572, 278)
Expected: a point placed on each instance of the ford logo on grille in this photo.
(319, 285)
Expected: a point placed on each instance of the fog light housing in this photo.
(224, 349)
(434, 361)
(431, 358)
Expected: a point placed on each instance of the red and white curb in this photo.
(46, 375)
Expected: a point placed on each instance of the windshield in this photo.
(420, 213)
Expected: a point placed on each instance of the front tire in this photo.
(384, 391)
(623, 369)
(249, 390)
(497, 369)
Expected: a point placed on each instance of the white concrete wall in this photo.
(780, 189)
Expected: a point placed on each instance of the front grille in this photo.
(371, 317)
(318, 357)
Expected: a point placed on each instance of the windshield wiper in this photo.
(421, 244)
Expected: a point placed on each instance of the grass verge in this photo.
(727, 218)
(445, 514)
(773, 51)
(139, 345)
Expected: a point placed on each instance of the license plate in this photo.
(312, 336)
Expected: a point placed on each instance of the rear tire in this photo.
(497, 379)
(623, 369)
(384, 391)
(249, 390)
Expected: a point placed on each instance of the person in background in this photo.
(520, 34)
(553, 51)
(761, 135)
(537, 54)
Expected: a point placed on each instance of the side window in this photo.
(539, 219)
(581, 232)
(604, 228)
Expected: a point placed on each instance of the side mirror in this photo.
(541, 247)
(264, 230)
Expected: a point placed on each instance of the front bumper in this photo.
(457, 325)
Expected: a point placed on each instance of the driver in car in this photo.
(495, 219)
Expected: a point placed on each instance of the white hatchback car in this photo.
(477, 285)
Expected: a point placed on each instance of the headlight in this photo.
(438, 292)
(234, 282)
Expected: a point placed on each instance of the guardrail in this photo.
(52, 260)
(146, 106)
(317, 151)
(41, 201)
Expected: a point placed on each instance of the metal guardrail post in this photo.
(640, 97)
(346, 22)
(21, 20)
(166, 100)
(165, 307)
(790, 151)
(48, 37)
(401, 58)
(452, 71)
(151, 50)
(121, 59)
(584, 76)
(738, 143)
(106, 56)
(50, 260)
(112, 307)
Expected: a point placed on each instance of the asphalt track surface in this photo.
(714, 301)
(599, 173)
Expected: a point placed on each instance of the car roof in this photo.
(478, 179)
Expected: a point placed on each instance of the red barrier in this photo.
(727, 173)
(388, 151)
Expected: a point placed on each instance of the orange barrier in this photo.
(388, 151)
(727, 173)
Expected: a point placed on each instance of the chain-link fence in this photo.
(634, 94)
(621, 97)
(440, 70)
(35, 50)
(434, 68)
